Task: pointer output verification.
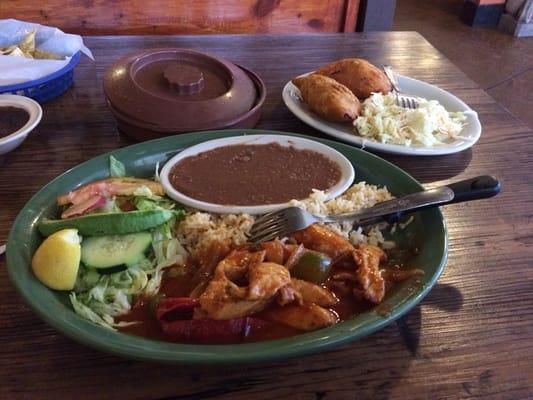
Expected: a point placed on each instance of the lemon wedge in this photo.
(57, 260)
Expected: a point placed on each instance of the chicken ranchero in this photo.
(256, 293)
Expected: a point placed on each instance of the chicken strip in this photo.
(311, 293)
(266, 279)
(275, 251)
(368, 258)
(323, 240)
(306, 317)
(223, 299)
(228, 296)
(237, 264)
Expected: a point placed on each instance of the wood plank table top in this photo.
(471, 337)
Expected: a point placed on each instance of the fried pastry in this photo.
(358, 75)
(328, 98)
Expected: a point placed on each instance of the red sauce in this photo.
(254, 174)
(180, 286)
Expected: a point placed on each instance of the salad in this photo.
(126, 241)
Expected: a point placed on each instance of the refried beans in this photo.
(254, 174)
(12, 119)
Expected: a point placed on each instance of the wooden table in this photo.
(472, 337)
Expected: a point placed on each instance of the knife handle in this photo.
(480, 187)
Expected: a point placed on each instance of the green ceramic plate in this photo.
(427, 232)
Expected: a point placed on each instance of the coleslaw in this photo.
(428, 125)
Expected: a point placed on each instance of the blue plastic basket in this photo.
(48, 87)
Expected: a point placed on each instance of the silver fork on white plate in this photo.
(402, 100)
(283, 222)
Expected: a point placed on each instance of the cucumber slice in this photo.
(110, 251)
(108, 223)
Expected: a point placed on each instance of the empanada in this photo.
(328, 98)
(358, 75)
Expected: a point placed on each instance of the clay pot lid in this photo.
(179, 89)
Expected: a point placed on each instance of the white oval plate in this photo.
(12, 141)
(347, 171)
(470, 133)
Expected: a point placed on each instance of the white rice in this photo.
(359, 196)
(198, 229)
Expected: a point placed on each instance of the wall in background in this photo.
(105, 17)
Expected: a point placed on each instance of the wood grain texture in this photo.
(350, 15)
(472, 337)
(103, 17)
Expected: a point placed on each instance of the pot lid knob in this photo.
(185, 79)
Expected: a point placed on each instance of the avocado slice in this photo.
(108, 223)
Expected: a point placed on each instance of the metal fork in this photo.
(283, 222)
(402, 100)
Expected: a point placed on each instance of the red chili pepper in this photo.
(171, 311)
(175, 308)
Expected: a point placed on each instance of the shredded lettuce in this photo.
(145, 204)
(100, 298)
(116, 168)
(109, 206)
(168, 251)
(144, 191)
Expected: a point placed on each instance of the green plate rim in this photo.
(138, 348)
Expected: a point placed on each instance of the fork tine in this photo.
(267, 227)
(267, 221)
(412, 103)
(265, 236)
(268, 216)
(404, 102)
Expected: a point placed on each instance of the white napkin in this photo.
(20, 69)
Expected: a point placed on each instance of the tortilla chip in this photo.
(45, 55)
(28, 43)
(8, 50)
(17, 52)
(26, 48)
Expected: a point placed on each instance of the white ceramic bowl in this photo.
(347, 171)
(12, 141)
(469, 135)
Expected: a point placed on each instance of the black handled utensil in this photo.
(281, 223)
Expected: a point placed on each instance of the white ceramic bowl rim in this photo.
(347, 171)
(30, 106)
